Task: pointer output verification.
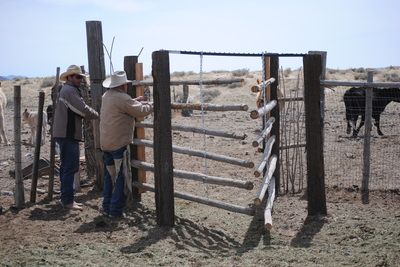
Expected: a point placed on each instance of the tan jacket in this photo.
(117, 122)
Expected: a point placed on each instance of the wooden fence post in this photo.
(163, 160)
(19, 196)
(129, 67)
(314, 140)
(97, 75)
(38, 138)
(367, 140)
(274, 72)
(54, 92)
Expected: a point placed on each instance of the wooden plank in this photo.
(163, 160)
(210, 107)
(19, 196)
(140, 132)
(314, 144)
(130, 69)
(38, 144)
(206, 201)
(367, 142)
(270, 203)
(360, 84)
(258, 87)
(200, 177)
(255, 114)
(94, 36)
(197, 130)
(201, 154)
(266, 155)
(264, 133)
(193, 82)
(272, 165)
(274, 65)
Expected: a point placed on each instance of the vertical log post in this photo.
(54, 92)
(19, 196)
(367, 140)
(140, 132)
(314, 144)
(267, 75)
(38, 137)
(97, 75)
(323, 75)
(163, 161)
(90, 152)
(129, 67)
(274, 72)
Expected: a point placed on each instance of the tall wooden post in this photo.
(140, 132)
(163, 161)
(19, 196)
(90, 151)
(274, 72)
(54, 92)
(97, 75)
(129, 67)
(314, 142)
(38, 137)
(367, 140)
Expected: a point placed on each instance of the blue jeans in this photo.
(113, 196)
(69, 156)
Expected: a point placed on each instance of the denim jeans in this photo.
(113, 196)
(69, 156)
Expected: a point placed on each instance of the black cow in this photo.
(354, 100)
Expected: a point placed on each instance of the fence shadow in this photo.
(187, 235)
(312, 225)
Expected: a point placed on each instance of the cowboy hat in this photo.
(71, 70)
(116, 79)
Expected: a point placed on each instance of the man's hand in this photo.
(141, 98)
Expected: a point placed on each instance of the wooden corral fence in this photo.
(163, 148)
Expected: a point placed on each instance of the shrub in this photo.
(391, 77)
(240, 72)
(178, 73)
(360, 76)
(287, 72)
(209, 95)
(47, 82)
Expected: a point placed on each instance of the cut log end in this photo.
(249, 185)
(255, 88)
(257, 202)
(257, 173)
(254, 114)
(255, 144)
(268, 226)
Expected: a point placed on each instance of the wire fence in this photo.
(344, 153)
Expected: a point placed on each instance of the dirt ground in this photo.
(44, 233)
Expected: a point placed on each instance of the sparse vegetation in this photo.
(240, 72)
(360, 76)
(287, 72)
(47, 82)
(391, 77)
(209, 95)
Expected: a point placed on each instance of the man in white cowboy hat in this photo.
(67, 130)
(117, 121)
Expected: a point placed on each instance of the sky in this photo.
(37, 36)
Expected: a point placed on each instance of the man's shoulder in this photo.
(68, 89)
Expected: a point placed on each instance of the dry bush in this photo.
(240, 72)
(391, 77)
(234, 85)
(178, 74)
(209, 95)
(360, 76)
(47, 82)
(287, 72)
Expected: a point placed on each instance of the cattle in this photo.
(354, 100)
(3, 104)
(31, 119)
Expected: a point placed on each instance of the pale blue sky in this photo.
(39, 35)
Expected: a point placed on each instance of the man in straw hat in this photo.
(117, 122)
(67, 130)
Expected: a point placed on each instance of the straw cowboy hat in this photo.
(71, 70)
(116, 79)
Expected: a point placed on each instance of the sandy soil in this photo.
(44, 233)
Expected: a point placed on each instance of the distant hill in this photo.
(11, 77)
